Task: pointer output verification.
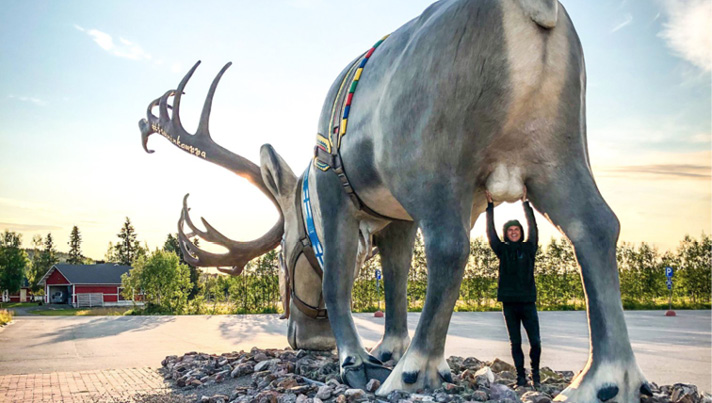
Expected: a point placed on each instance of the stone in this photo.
(397, 395)
(267, 396)
(501, 392)
(506, 376)
(472, 363)
(218, 399)
(373, 385)
(286, 383)
(266, 364)
(354, 394)
(452, 389)
(655, 398)
(333, 383)
(499, 366)
(243, 369)
(455, 363)
(324, 392)
(287, 398)
(480, 396)
(482, 378)
(260, 356)
(549, 375)
(535, 397)
(684, 393)
(340, 399)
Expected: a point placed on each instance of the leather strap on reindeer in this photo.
(309, 246)
(326, 151)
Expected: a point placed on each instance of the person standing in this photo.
(516, 287)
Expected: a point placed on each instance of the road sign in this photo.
(668, 272)
(378, 274)
(669, 283)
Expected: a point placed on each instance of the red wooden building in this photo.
(85, 284)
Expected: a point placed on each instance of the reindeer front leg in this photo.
(340, 229)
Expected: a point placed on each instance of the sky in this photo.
(76, 77)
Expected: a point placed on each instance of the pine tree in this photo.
(128, 247)
(75, 252)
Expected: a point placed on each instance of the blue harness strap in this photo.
(309, 218)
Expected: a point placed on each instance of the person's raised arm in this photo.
(492, 236)
(533, 237)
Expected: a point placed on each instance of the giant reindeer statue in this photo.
(473, 95)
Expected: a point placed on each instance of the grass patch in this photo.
(113, 311)
(17, 304)
(5, 317)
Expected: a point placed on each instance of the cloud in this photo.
(683, 171)
(123, 48)
(36, 101)
(28, 227)
(688, 31)
(627, 20)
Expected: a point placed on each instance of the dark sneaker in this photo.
(521, 381)
(536, 379)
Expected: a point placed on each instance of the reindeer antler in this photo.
(202, 145)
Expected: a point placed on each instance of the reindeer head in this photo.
(299, 283)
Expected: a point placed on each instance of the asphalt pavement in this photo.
(668, 349)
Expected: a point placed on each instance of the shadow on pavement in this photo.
(239, 325)
(106, 326)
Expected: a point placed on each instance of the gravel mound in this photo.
(288, 376)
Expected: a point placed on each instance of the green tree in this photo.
(173, 245)
(42, 261)
(163, 280)
(36, 269)
(75, 249)
(128, 248)
(694, 271)
(13, 261)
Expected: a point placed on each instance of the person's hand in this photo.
(524, 195)
(489, 196)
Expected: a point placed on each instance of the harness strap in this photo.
(305, 248)
(327, 151)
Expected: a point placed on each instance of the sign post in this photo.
(378, 313)
(668, 274)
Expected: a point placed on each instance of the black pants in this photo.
(516, 314)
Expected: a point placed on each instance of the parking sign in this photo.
(378, 274)
(668, 272)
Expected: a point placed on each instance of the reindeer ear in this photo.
(277, 175)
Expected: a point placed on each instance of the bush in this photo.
(5, 317)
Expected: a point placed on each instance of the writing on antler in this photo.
(185, 147)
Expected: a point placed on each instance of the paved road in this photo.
(669, 350)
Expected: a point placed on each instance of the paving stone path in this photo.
(109, 385)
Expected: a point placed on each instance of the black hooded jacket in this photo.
(516, 260)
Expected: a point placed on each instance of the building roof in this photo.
(107, 273)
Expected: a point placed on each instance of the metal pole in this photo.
(378, 295)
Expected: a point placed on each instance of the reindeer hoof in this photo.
(348, 361)
(374, 360)
(410, 377)
(607, 392)
(645, 389)
(446, 376)
(358, 376)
